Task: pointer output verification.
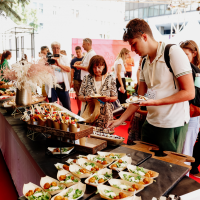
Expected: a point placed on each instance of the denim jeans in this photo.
(63, 97)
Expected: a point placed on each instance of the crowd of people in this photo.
(166, 75)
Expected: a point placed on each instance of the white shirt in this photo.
(123, 70)
(160, 80)
(86, 61)
(61, 75)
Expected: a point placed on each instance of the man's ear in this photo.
(144, 37)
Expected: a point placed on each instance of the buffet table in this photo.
(27, 162)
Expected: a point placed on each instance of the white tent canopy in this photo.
(190, 32)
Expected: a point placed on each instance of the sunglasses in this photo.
(127, 29)
(186, 43)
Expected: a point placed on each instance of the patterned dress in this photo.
(107, 89)
(3, 66)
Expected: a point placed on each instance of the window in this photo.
(100, 35)
(140, 13)
(77, 13)
(35, 5)
(156, 10)
(22, 42)
(41, 8)
(41, 26)
(10, 44)
(145, 13)
(127, 15)
(131, 14)
(54, 10)
(151, 10)
(167, 10)
(17, 47)
(162, 9)
(135, 13)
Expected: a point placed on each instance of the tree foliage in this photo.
(20, 12)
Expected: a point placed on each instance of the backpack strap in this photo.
(167, 60)
(143, 62)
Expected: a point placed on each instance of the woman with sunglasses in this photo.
(192, 51)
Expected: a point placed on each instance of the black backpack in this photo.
(196, 100)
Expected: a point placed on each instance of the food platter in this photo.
(136, 100)
(6, 98)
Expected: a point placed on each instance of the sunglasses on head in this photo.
(127, 29)
(186, 43)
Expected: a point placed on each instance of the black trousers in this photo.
(196, 155)
(121, 96)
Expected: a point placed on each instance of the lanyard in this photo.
(151, 75)
(86, 55)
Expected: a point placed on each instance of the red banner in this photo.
(109, 49)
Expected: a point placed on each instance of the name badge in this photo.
(58, 69)
(151, 94)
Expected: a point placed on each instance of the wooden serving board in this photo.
(171, 157)
(169, 175)
(143, 146)
(176, 158)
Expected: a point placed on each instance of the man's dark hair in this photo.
(77, 48)
(135, 28)
(44, 47)
(97, 61)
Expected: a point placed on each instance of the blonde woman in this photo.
(120, 74)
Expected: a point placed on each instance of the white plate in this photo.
(67, 152)
(6, 98)
(135, 100)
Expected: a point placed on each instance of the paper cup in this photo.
(56, 125)
(73, 128)
(64, 127)
(82, 141)
(41, 122)
(49, 123)
(49, 180)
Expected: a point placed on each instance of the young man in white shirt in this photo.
(83, 65)
(168, 112)
(61, 70)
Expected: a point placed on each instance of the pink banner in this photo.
(109, 49)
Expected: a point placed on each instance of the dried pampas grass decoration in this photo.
(26, 75)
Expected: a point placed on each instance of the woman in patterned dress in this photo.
(98, 82)
(4, 63)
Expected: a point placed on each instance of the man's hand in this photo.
(77, 66)
(57, 61)
(113, 124)
(77, 62)
(71, 84)
(149, 102)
